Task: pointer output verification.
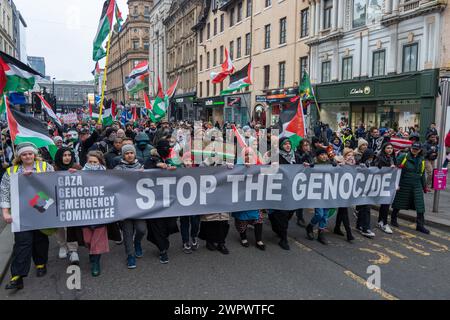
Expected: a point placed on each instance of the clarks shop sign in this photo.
(364, 91)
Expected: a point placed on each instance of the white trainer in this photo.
(387, 229)
(62, 252)
(73, 258)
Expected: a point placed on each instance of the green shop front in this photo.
(400, 101)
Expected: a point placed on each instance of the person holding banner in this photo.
(27, 244)
(279, 219)
(96, 237)
(320, 214)
(160, 229)
(69, 238)
(307, 159)
(132, 227)
(386, 158)
(412, 186)
(252, 217)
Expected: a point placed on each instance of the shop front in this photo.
(211, 109)
(400, 101)
(272, 104)
(237, 108)
(182, 107)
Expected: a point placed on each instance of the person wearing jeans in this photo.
(320, 218)
(130, 227)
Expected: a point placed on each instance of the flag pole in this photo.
(104, 79)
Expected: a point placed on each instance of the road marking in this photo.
(300, 245)
(383, 258)
(394, 253)
(408, 235)
(363, 282)
(421, 252)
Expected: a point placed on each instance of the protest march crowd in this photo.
(142, 145)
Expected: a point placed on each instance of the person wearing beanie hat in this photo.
(130, 227)
(58, 142)
(28, 244)
(363, 145)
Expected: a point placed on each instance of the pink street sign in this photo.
(440, 179)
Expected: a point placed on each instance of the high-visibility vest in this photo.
(41, 166)
(406, 159)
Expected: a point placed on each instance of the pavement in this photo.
(410, 266)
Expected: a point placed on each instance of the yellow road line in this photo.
(363, 282)
(301, 245)
(383, 258)
(421, 252)
(394, 253)
(408, 235)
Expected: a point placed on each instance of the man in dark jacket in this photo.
(143, 146)
(107, 144)
(115, 152)
(430, 151)
(375, 140)
(87, 141)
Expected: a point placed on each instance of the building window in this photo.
(268, 3)
(283, 22)
(222, 22)
(303, 66)
(214, 89)
(240, 12)
(359, 13)
(410, 57)
(147, 11)
(208, 56)
(266, 77)
(201, 63)
(267, 36)
(207, 88)
(328, 8)
(201, 89)
(231, 50)
(215, 57)
(208, 31)
(248, 44)
(135, 11)
(200, 39)
(146, 45)
(378, 63)
(281, 74)
(135, 44)
(215, 26)
(221, 54)
(347, 68)
(326, 71)
(249, 8)
(238, 48)
(232, 17)
(304, 27)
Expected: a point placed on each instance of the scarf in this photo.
(90, 167)
(288, 156)
(133, 166)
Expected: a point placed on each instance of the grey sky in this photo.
(63, 31)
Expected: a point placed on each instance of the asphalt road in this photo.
(413, 266)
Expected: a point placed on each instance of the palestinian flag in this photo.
(24, 128)
(46, 106)
(149, 108)
(3, 104)
(292, 123)
(173, 89)
(108, 113)
(239, 80)
(104, 28)
(41, 202)
(134, 85)
(227, 69)
(119, 19)
(242, 143)
(15, 76)
(92, 114)
(161, 103)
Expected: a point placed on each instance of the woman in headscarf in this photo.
(279, 219)
(68, 241)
